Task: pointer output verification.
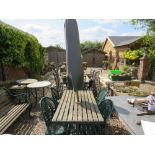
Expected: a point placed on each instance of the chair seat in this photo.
(55, 130)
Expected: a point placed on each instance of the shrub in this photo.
(20, 49)
(133, 55)
(125, 68)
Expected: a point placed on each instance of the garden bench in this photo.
(10, 111)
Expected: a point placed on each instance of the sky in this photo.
(51, 31)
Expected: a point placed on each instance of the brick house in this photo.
(116, 46)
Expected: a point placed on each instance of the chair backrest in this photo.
(102, 94)
(47, 107)
(8, 92)
(55, 92)
(16, 97)
(55, 95)
(106, 108)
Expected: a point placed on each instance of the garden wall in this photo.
(12, 73)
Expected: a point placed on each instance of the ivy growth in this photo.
(20, 49)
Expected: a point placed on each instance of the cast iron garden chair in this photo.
(101, 96)
(48, 108)
(16, 97)
(106, 108)
(55, 95)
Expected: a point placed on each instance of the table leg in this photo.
(29, 95)
(43, 91)
(36, 96)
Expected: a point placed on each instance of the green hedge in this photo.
(20, 49)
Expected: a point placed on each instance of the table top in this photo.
(128, 114)
(16, 87)
(39, 84)
(26, 81)
(71, 111)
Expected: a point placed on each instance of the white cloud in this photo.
(47, 35)
(34, 28)
(95, 33)
(106, 21)
(114, 23)
(134, 33)
(51, 33)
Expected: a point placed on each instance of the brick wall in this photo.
(93, 58)
(121, 50)
(143, 68)
(56, 55)
(12, 73)
(109, 47)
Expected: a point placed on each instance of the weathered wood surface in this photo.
(9, 111)
(84, 111)
(128, 114)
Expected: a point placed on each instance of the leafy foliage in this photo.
(125, 68)
(58, 46)
(20, 49)
(90, 44)
(145, 23)
(133, 55)
(148, 40)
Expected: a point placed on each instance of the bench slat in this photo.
(5, 109)
(10, 113)
(12, 116)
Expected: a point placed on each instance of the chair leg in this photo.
(30, 109)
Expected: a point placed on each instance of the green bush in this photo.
(133, 55)
(20, 49)
(125, 68)
(85, 46)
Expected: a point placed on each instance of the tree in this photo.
(149, 40)
(148, 24)
(90, 44)
(58, 46)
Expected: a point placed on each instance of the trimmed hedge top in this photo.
(20, 49)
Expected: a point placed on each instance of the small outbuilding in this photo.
(94, 57)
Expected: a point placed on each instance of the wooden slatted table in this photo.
(84, 112)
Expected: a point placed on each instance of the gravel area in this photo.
(36, 126)
(147, 87)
